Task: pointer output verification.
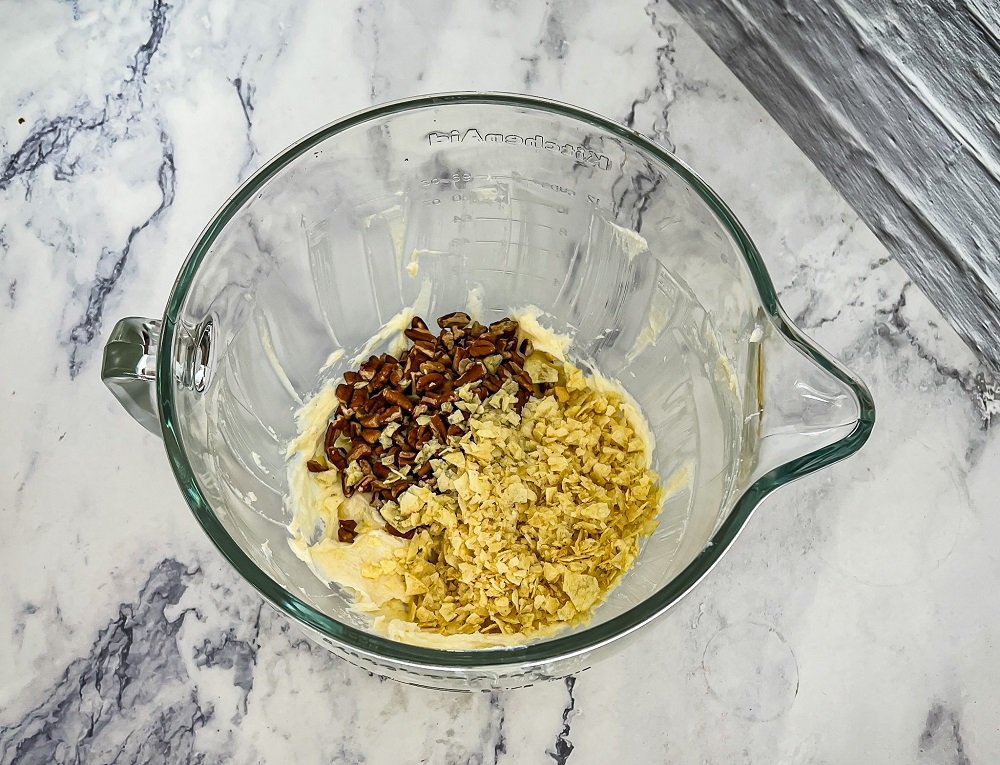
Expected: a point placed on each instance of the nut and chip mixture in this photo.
(475, 485)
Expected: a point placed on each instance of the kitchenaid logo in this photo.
(474, 135)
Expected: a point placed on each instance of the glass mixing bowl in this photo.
(510, 201)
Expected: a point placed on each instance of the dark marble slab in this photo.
(898, 103)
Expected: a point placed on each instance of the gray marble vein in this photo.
(112, 263)
(132, 671)
(853, 621)
(563, 747)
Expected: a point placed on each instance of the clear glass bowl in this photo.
(508, 201)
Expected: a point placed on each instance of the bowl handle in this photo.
(129, 368)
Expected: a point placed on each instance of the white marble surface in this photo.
(855, 620)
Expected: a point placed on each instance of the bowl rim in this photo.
(558, 648)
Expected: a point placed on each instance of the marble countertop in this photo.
(853, 621)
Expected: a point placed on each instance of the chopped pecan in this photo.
(344, 392)
(415, 394)
(384, 373)
(346, 530)
(337, 459)
(505, 326)
(437, 424)
(430, 381)
(426, 349)
(359, 398)
(482, 347)
(454, 319)
(419, 335)
(397, 533)
(369, 368)
(398, 398)
(458, 357)
(359, 451)
(397, 488)
(474, 373)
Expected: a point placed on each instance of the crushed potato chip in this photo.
(535, 517)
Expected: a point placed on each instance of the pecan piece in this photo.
(346, 530)
(419, 335)
(396, 488)
(482, 347)
(447, 339)
(372, 420)
(426, 349)
(437, 398)
(359, 398)
(384, 373)
(334, 455)
(430, 367)
(398, 398)
(431, 381)
(474, 373)
(506, 326)
(369, 368)
(522, 397)
(397, 533)
(359, 452)
(458, 356)
(454, 319)
(392, 414)
(437, 424)
(337, 459)
(424, 434)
